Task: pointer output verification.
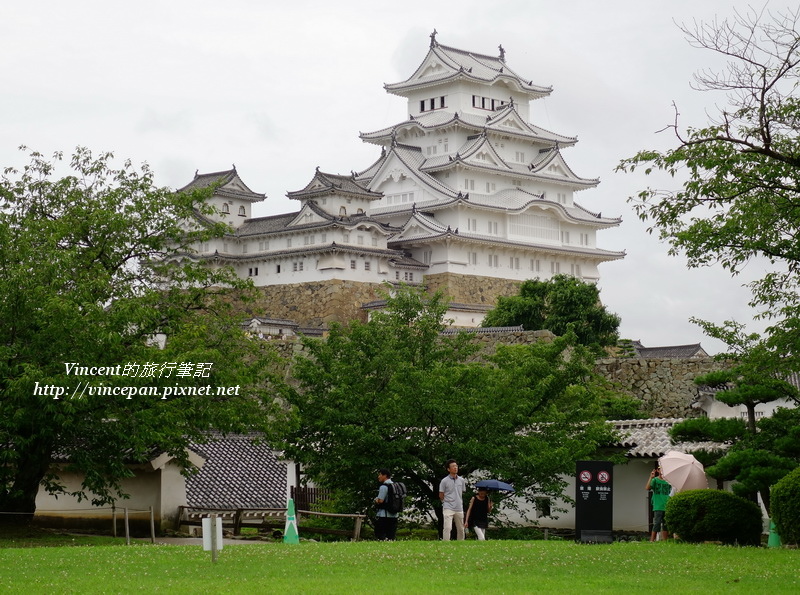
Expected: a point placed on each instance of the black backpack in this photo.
(395, 498)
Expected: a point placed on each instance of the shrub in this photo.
(714, 515)
(785, 507)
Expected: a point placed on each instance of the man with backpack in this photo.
(386, 517)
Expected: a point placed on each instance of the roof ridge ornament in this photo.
(434, 43)
(502, 54)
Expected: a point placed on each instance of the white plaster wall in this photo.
(164, 489)
(629, 500)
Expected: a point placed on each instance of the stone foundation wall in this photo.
(320, 303)
(316, 304)
(468, 289)
(664, 386)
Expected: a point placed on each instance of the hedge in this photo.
(714, 515)
(785, 507)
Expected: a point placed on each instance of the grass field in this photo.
(401, 567)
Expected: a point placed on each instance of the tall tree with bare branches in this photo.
(740, 197)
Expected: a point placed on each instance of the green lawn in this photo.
(402, 567)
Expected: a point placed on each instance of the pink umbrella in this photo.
(683, 471)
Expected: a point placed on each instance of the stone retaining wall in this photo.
(664, 386)
(316, 304)
(470, 289)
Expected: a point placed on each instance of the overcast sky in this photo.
(278, 88)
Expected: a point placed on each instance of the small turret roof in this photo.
(229, 184)
(323, 183)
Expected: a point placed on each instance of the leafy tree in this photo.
(741, 194)
(762, 451)
(394, 392)
(558, 304)
(92, 269)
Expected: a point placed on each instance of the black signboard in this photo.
(594, 512)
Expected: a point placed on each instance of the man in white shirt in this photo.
(451, 490)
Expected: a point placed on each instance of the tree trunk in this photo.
(18, 503)
(751, 417)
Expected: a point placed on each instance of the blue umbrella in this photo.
(493, 484)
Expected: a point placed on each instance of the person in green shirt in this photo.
(661, 492)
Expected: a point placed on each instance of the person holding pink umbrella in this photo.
(661, 492)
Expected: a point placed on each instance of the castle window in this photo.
(426, 105)
(323, 238)
(374, 240)
(565, 237)
(473, 258)
(575, 270)
(289, 242)
(584, 239)
(278, 269)
(360, 240)
(346, 238)
(353, 264)
(555, 267)
(253, 272)
(241, 212)
(225, 208)
(494, 261)
(342, 211)
(244, 248)
(535, 265)
(366, 265)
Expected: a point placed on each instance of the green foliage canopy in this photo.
(93, 267)
(558, 304)
(394, 392)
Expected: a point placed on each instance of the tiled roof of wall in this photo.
(237, 474)
(650, 437)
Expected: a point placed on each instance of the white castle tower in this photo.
(467, 196)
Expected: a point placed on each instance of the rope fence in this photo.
(114, 511)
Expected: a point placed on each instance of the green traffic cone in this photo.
(290, 531)
(774, 539)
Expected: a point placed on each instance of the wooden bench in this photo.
(265, 518)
